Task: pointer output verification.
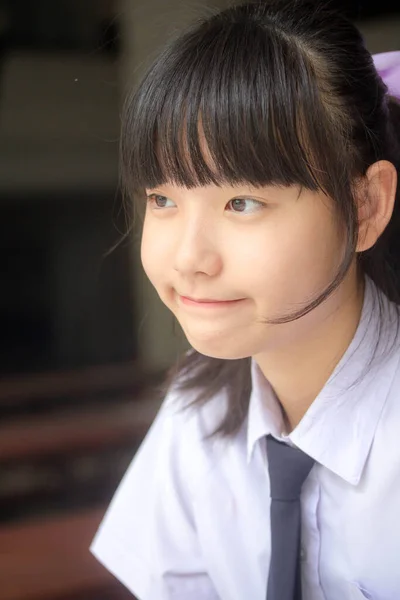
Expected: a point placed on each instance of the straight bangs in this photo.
(204, 114)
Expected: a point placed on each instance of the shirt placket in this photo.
(311, 538)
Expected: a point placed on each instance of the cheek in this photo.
(153, 253)
(313, 249)
(292, 258)
(145, 252)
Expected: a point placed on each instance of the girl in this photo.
(267, 146)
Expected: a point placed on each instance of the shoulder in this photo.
(177, 449)
(188, 426)
(149, 527)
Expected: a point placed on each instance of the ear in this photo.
(376, 207)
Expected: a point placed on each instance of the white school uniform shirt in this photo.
(191, 518)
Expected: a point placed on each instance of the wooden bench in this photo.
(50, 560)
(47, 557)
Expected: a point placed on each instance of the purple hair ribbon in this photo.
(387, 65)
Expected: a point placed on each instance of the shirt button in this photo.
(303, 554)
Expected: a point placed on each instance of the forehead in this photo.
(204, 118)
(190, 152)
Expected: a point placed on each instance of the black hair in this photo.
(281, 92)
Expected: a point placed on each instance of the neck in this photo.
(299, 369)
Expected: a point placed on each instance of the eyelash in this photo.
(152, 199)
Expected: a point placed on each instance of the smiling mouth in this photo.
(208, 302)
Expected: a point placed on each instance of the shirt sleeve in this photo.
(148, 536)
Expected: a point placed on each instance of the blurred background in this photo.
(84, 342)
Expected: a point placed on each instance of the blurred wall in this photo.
(381, 34)
(64, 304)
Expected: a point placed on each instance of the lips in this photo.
(208, 302)
(205, 300)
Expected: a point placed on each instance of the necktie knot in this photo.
(288, 469)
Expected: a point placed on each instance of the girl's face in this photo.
(224, 259)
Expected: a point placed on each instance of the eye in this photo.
(158, 202)
(245, 205)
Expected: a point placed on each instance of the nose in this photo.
(197, 251)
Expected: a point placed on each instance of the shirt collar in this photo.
(339, 427)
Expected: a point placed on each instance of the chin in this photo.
(219, 348)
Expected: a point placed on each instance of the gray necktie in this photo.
(288, 469)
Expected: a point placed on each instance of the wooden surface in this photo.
(50, 560)
(20, 388)
(77, 428)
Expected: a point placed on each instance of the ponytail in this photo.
(394, 125)
(382, 262)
